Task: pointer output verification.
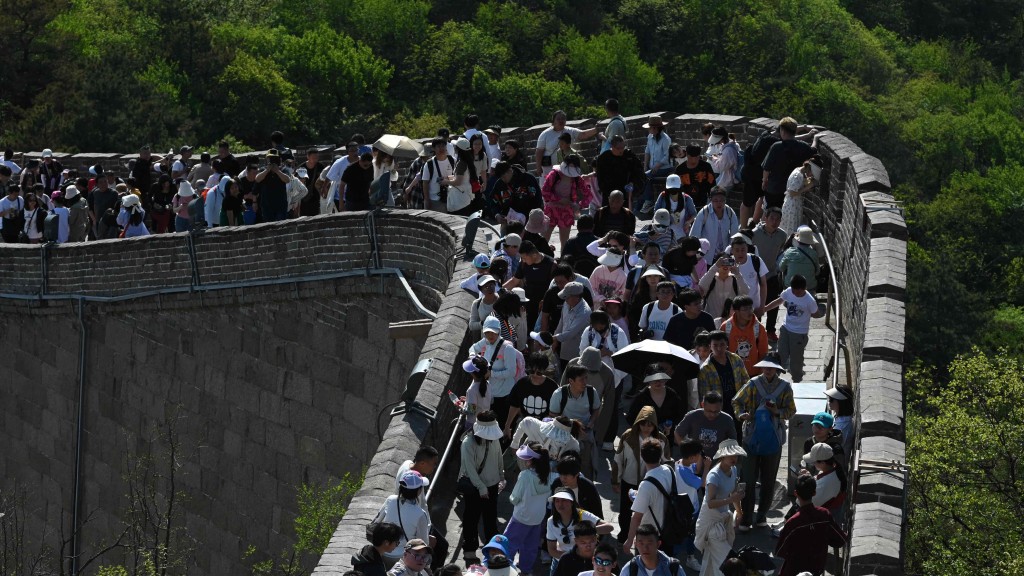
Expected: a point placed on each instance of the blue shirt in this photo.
(658, 150)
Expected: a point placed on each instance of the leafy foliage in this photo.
(968, 474)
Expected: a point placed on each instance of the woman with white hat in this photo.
(565, 193)
(715, 531)
(403, 509)
(529, 498)
(609, 279)
(132, 217)
(481, 468)
(801, 180)
(182, 220)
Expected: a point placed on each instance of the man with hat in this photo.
(180, 167)
(78, 214)
(752, 267)
(574, 320)
(414, 561)
(271, 187)
(717, 222)
(801, 258)
(51, 172)
(492, 146)
(482, 264)
(770, 393)
(822, 432)
(509, 251)
(660, 232)
(783, 157)
(806, 537)
(696, 177)
(656, 158)
(679, 205)
(601, 376)
(726, 161)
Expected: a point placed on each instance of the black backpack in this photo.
(674, 566)
(565, 398)
(677, 521)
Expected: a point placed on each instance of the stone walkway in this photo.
(817, 357)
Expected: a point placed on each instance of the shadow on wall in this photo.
(272, 386)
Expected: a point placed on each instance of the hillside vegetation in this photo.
(931, 87)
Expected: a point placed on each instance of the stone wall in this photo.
(271, 385)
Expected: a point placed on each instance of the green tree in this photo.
(516, 95)
(606, 65)
(967, 481)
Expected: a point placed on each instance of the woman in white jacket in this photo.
(507, 364)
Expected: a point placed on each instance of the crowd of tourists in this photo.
(695, 457)
(690, 444)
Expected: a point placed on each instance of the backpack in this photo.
(565, 398)
(727, 328)
(677, 521)
(648, 309)
(764, 436)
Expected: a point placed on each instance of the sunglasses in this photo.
(603, 561)
(565, 535)
(421, 557)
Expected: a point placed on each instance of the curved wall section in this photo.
(867, 234)
(272, 377)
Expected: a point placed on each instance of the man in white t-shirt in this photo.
(752, 268)
(649, 504)
(800, 308)
(337, 169)
(547, 142)
(436, 176)
(655, 316)
(491, 144)
(180, 168)
(10, 163)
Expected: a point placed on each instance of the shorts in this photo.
(751, 192)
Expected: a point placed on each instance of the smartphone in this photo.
(794, 470)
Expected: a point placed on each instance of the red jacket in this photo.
(805, 540)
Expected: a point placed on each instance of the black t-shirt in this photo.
(681, 330)
(552, 305)
(783, 157)
(103, 200)
(537, 277)
(232, 204)
(273, 195)
(728, 383)
(310, 205)
(697, 181)
(229, 165)
(673, 408)
(530, 399)
(357, 186)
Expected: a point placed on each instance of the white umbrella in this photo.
(398, 146)
(635, 357)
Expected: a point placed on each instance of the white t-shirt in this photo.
(413, 520)
(798, 311)
(15, 169)
(178, 166)
(658, 319)
(649, 500)
(548, 139)
(555, 533)
(752, 278)
(337, 169)
(18, 205)
(440, 169)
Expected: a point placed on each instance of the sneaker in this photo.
(648, 207)
(607, 447)
(762, 521)
(777, 531)
(743, 528)
(692, 563)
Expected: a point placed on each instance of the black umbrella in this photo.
(635, 358)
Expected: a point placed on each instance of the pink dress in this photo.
(556, 188)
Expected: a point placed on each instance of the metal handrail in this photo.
(444, 457)
(834, 302)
